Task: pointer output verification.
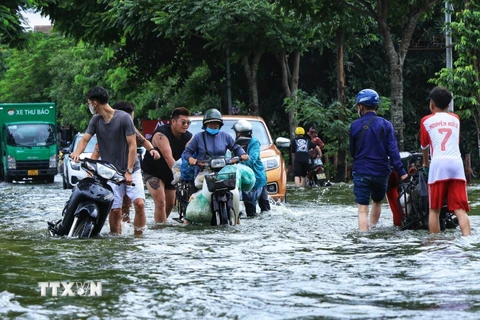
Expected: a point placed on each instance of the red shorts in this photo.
(454, 191)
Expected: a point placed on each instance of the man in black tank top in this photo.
(170, 140)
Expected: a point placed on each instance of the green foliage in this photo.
(54, 68)
(12, 33)
(464, 79)
(27, 75)
(163, 54)
(311, 111)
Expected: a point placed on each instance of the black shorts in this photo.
(300, 169)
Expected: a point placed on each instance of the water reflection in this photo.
(303, 260)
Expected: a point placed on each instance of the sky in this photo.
(34, 19)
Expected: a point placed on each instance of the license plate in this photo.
(33, 172)
(321, 176)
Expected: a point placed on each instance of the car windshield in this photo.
(31, 135)
(90, 146)
(259, 129)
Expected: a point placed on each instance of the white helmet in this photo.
(243, 126)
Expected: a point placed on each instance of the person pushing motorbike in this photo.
(243, 130)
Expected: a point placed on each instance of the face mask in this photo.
(91, 108)
(212, 131)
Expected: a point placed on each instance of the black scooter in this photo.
(316, 174)
(89, 205)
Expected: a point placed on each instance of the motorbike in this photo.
(87, 208)
(183, 191)
(413, 204)
(221, 189)
(316, 174)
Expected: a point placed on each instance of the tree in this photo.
(334, 21)
(54, 68)
(396, 24)
(12, 33)
(464, 79)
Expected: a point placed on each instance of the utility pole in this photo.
(448, 41)
(229, 84)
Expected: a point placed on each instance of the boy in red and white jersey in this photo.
(440, 135)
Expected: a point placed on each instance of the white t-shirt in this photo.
(441, 132)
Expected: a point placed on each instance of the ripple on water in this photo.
(305, 259)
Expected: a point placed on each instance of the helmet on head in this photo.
(299, 131)
(368, 97)
(212, 115)
(243, 126)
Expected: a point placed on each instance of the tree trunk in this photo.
(397, 58)
(342, 153)
(251, 70)
(477, 123)
(290, 80)
(293, 90)
(396, 83)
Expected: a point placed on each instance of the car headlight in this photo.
(271, 162)
(105, 172)
(75, 165)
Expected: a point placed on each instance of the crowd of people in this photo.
(373, 148)
(117, 143)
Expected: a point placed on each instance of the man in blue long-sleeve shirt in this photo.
(373, 147)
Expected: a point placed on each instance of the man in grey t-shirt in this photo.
(116, 138)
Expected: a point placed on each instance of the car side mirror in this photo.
(282, 142)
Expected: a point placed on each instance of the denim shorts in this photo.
(366, 186)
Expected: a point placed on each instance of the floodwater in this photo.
(304, 260)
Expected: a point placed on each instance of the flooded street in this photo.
(304, 260)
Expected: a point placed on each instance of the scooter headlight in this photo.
(217, 163)
(105, 172)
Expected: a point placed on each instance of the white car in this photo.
(72, 173)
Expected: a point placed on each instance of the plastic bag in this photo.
(176, 171)
(229, 169)
(247, 177)
(187, 171)
(200, 177)
(198, 209)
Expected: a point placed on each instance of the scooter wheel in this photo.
(83, 227)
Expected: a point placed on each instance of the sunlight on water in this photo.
(304, 259)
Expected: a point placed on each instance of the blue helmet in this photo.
(368, 97)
